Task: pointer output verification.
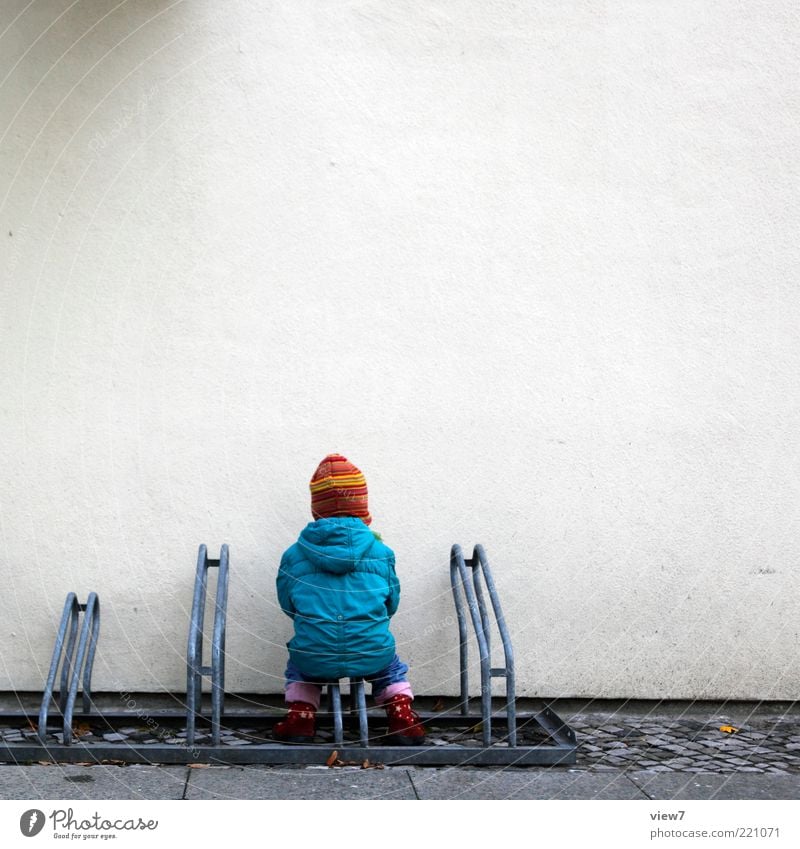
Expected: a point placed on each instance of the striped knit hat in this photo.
(338, 488)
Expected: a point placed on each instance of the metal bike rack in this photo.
(76, 662)
(462, 586)
(358, 705)
(195, 671)
(508, 738)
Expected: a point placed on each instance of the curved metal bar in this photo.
(66, 666)
(77, 666)
(195, 670)
(483, 649)
(218, 647)
(479, 556)
(69, 614)
(361, 706)
(463, 646)
(89, 665)
(194, 650)
(484, 611)
(336, 705)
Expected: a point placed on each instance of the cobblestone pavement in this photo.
(666, 744)
(757, 743)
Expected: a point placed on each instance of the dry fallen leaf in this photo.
(198, 766)
(81, 729)
(439, 706)
(44, 763)
(728, 729)
(332, 758)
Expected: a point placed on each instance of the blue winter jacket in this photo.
(338, 584)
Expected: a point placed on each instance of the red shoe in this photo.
(298, 727)
(405, 728)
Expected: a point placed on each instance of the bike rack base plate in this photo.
(275, 753)
(558, 747)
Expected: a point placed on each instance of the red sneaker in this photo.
(298, 727)
(405, 728)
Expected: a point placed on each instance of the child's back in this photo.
(338, 584)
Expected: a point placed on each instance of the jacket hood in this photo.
(336, 544)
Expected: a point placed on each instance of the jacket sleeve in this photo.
(284, 583)
(393, 599)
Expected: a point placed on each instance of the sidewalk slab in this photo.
(737, 785)
(460, 783)
(260, 782)
(69, 781)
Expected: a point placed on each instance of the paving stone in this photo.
(459, 783)
(681, 786)
(276, 783)
(69, 781)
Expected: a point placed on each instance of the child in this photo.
(338, 584)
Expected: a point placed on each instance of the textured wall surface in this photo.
(532, 266)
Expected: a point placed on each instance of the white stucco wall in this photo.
(532, 266)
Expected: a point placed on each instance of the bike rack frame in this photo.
(479, 614)
(76, 662)
(195, 671)
(471, 581)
